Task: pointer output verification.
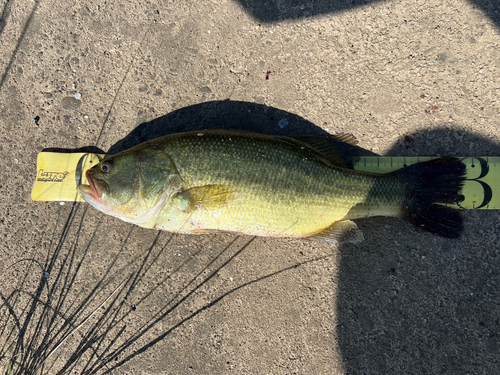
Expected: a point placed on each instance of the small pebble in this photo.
(78, 96)
(61, 203)
(282, 123)
(230, 279)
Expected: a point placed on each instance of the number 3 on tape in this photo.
(482, 178)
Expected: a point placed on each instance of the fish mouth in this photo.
(94, 191)
(92, 185)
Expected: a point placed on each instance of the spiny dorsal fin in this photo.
(346, 138)
(318, 141)
(338, 149)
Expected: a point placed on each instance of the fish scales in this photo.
(282, 187)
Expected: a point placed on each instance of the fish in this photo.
(211, 181)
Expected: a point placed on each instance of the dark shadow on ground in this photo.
(229, 114)
(490, 7)
(225, 114)
(281, 10)
(88, 149)
(413, 303)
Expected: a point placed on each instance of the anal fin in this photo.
(340, 232)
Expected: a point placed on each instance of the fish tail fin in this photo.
(431, 182)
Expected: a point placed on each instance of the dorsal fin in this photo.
(346, 138)
(338, 149)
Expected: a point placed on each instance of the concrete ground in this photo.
(87, 293)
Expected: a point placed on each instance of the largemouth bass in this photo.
(228, 180)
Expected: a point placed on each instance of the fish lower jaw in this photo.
(87, 193)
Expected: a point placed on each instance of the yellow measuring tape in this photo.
(480, 188)
(58, 174)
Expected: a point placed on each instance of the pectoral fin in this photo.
(340, 232)
(208, 196)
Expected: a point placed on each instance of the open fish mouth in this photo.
(92, 185)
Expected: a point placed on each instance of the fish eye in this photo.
(106, 167)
